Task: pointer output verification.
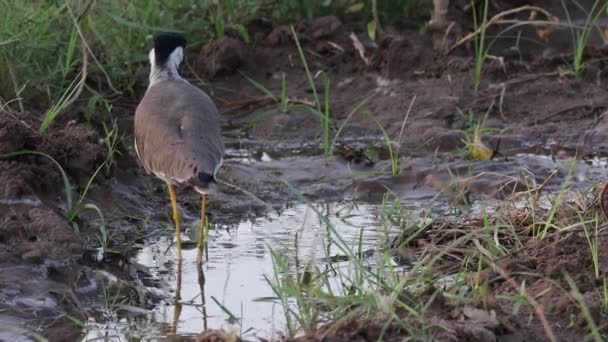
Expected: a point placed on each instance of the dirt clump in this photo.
(17, 134)
(38, 234)
(464, 323)
(43, 251)
(352, 330)
(213, 335)
(403, 56)
(78, 150)
(325, 27)
(280, 35)
(224, 55)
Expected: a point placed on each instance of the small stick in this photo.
(503, 91)
(254, 102)
(336, 46)
(538, 309)
(495, 20)
(359, 47)
(2, 111)
(236, 187)
(87, 47)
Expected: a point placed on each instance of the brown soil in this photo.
(39, 250)
(50, 272)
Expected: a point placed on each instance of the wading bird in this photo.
(178, 136)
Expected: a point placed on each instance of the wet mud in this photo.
(54, 277)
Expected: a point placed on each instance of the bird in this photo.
(177, 130)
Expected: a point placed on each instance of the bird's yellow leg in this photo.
(203, 232)
(178, 242)
(176, 218)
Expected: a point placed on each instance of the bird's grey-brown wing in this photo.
(177, 132)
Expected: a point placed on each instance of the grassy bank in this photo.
(95, 50)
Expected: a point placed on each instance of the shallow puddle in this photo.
(239, 258)
(236, 294)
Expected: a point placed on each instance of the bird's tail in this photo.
(203, 182)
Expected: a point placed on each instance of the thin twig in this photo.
(503, 92)
(88, 47)
(538, 309)
(16, 118)
(4, 105)
(559, 112)
(257, 199)
(195, 74)
(257, 102)
(359, 47)
(497, 20)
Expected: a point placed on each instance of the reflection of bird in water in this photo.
(177, 133)
(177, 310)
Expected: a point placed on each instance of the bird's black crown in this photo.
(165, 43)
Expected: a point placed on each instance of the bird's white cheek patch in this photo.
(217, 168)
(151, 57)
(176, 58)
(136, 150)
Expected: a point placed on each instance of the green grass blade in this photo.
(325, 120)
(308, 73)
(56, 108)
(260, 87)
(74, 212)
(350, 115)
(230, 315)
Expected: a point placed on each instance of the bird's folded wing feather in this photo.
(177, 131)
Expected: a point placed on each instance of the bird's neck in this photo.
(169, 70)
(159, 73)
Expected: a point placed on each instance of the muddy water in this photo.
(239, 258)
(236, 294)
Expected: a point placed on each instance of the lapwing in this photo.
(178, 135)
